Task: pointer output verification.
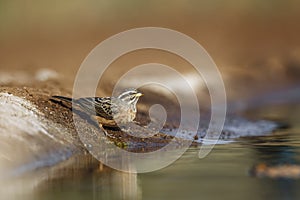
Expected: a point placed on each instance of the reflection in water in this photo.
(277, 155)
(224, 170)
(221, 175)
(81, 177)
(128, 188)
(87, 178)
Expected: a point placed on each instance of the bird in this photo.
(108, 111)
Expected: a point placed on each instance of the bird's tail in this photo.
(66, 99)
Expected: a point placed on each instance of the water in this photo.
(223, 174)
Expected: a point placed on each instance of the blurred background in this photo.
(255, 44)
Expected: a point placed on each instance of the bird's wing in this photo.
(100, 105)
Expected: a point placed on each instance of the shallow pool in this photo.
(223, 174)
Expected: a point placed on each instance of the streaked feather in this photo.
(124, 106)
(100, 105)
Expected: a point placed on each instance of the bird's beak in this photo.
(139, 94)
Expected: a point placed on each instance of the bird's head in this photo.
(130, 96)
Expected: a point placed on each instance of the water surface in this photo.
(223, 174)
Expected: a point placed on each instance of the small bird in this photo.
(109, 111)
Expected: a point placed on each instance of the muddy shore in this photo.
(46, 134)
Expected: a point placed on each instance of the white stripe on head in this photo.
(130, 96)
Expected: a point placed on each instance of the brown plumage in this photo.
(108, 110)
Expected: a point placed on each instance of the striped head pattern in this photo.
(130, 96)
